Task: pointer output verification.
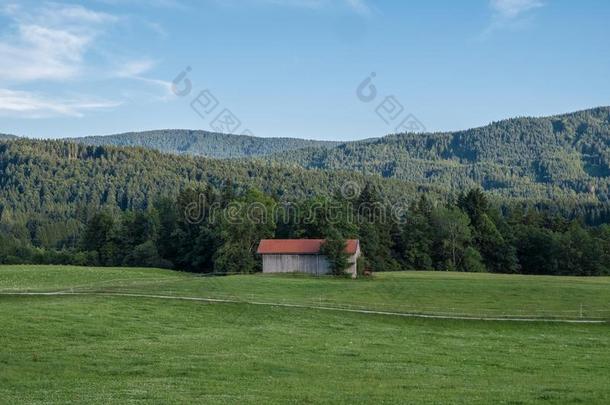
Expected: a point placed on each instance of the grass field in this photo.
(122, 349)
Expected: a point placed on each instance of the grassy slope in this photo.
(120, 349)
(421, 292)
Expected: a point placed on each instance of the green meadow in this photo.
(98, 346)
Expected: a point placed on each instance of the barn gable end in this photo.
(302, 256)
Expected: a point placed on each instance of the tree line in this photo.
(49, 190)
(217, 229)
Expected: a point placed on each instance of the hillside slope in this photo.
(561, 156)
(203, 143)
(546, 157)
(49, 188)
(130, 349)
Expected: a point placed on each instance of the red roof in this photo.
(299, 246)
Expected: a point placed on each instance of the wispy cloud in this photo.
(55, 42)
(24, 104)
(37, 52)
(510, 14)
(136, 69)
(47, 44)
(357, 6)
(167, 4)
(308, 4)
(514, 8)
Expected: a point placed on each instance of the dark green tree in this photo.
(334, 250)
(452, 237)
(244, 223)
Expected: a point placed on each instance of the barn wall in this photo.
(353, 259)
(352, 268)
(312, 264)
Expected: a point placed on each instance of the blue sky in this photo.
(293, 67)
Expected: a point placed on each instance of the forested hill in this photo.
(48, 189)
(547, 157)
(554, 157)
(203, 143)
(55, 196)
(4, 137)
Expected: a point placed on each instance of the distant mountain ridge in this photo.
(204, 143)
(521, 157)
(563, 156)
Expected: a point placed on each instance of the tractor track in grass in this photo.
(313, 307)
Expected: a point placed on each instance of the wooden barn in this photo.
(302, 256)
